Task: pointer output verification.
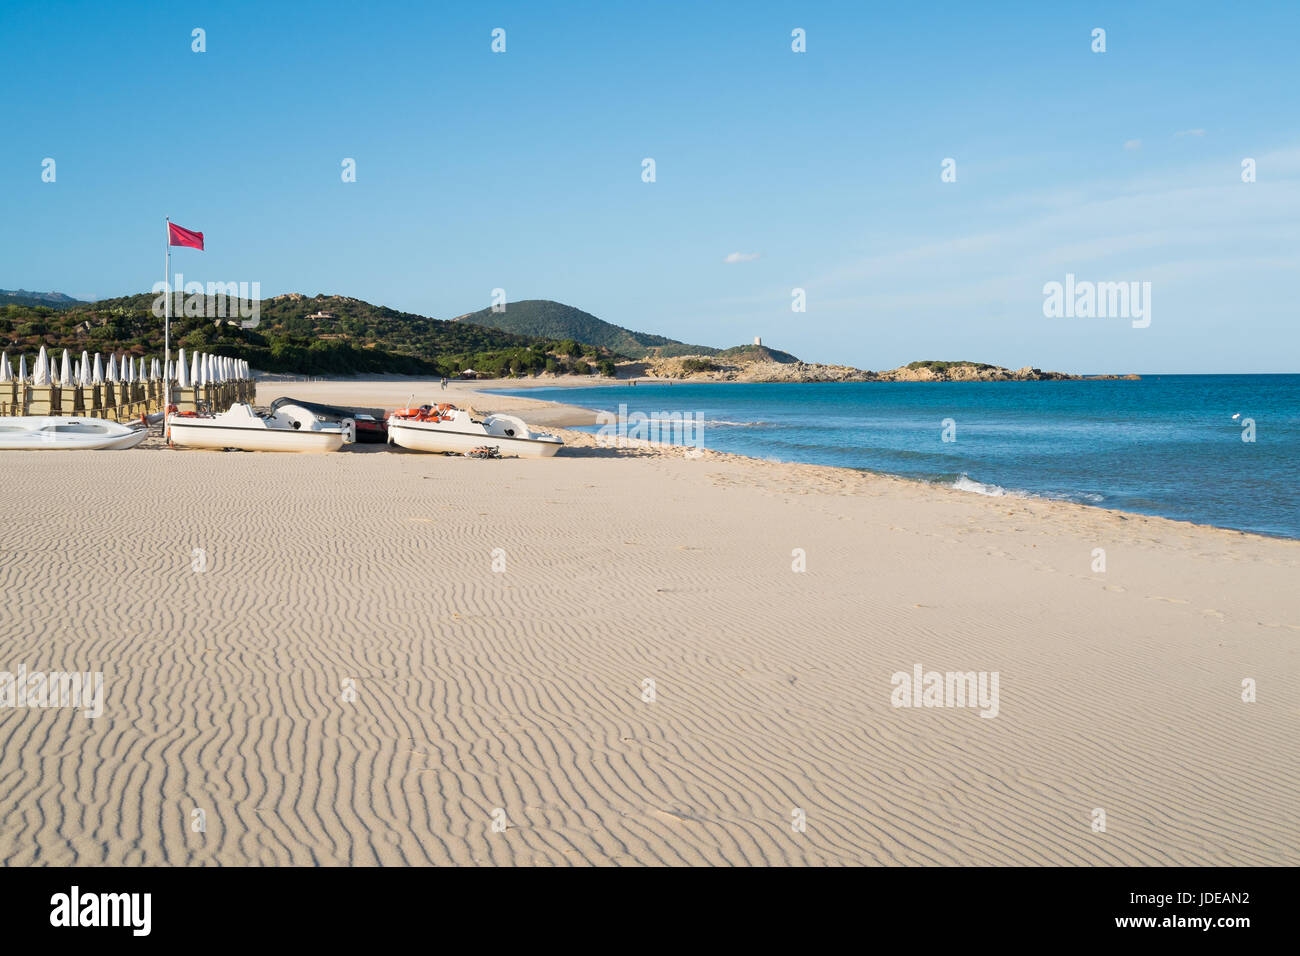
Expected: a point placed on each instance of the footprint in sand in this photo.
(1168, 600)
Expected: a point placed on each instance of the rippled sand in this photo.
(522, 690)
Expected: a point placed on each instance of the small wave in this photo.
(1092, 499)
(965, 482)
(711, 421)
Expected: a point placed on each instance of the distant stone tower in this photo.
(758, 340)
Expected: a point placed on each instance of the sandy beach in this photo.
(609, 658)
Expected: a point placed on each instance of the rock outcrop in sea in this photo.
(703, 368)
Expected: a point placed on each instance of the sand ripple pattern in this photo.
(521, 691)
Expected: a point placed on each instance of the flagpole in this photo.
(167, 321)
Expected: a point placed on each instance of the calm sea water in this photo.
(1165, 445)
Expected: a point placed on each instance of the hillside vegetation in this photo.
(55, 300)
(320, 335)
(755, 353)
(554, 320)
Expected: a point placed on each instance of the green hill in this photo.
(338, 335)
(54, 300)
(756, 353)
(322, 335)
(554, 320)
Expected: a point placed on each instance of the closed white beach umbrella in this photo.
(84, 377)
(202, 378)
(154, 370)
(5, 376)
(128, 369)
(41, 374)
(182, 379)
(65, 376)
(22, 368)
(110, 373)
(194, 369)
(98, 378)
(140, 373)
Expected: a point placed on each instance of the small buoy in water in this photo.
(1236, 416)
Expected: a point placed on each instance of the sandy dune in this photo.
(522, 690)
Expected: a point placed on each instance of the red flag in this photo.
(179, 236)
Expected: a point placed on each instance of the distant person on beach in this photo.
(444, 383)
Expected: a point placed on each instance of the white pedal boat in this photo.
(291, 428)
(55, 432)
(450, 429)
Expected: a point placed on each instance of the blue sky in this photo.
(822, 170)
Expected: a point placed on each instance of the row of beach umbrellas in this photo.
(201, 369)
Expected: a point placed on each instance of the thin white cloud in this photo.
(1189, 216)
(1132, 144)
(741, 257)
(1221, 254)
(1190, 132)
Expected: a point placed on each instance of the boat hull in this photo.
(192, 435)
(426, 436)
(54, 433)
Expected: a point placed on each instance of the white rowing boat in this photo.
(60, 432)
(290, 428)
(450, 429)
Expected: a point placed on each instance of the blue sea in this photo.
(1166, 445)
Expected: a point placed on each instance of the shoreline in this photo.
(558, 415)
(578, 419)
